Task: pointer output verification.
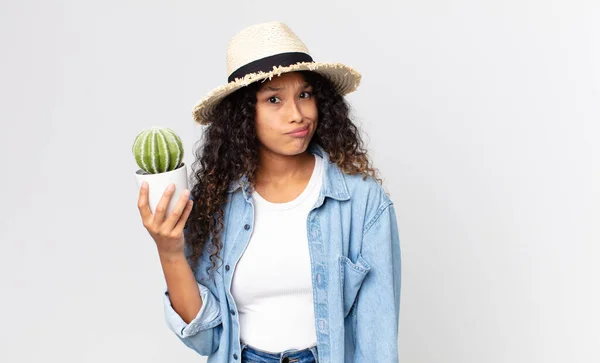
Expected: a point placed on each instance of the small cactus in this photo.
(158, 150)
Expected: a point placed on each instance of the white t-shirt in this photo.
(271, 283)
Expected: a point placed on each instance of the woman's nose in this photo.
(294, 112)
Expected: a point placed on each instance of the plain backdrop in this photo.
(482, 116)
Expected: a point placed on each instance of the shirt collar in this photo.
(334, 184)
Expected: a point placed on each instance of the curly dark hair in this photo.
(230, 150)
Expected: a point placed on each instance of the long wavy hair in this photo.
(230, 150)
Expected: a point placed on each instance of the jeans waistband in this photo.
(289, 353)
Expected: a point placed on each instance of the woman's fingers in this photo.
(186, 213)
(157, 223)
(143, 206)
(177, 211)
(163, 203)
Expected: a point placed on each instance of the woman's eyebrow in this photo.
(271, 88)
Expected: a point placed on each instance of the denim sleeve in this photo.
(200, 334)
(378, 303)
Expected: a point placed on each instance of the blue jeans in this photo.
(254, 355)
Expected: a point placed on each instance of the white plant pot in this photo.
(157, 184)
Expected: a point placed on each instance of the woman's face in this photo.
(284, 105)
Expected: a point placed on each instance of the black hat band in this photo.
(266, 64)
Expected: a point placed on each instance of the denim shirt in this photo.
(354, 250)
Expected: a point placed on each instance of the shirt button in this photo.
(234, 356)
(232, 312)
(247, 227)
(227, 267)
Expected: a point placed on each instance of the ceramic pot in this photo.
(158, 183)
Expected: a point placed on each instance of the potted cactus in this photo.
(158, 152)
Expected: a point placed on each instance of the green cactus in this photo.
(158, 150)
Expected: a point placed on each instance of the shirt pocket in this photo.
(352, 275)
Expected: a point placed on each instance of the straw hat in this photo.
(265, 50)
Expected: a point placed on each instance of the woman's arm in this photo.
(182, 287)
(198, 323)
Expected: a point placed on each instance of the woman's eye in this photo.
(307, 95)
(273, 99)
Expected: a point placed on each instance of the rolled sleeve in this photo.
(208, 317)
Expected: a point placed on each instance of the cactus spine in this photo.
(158, 150)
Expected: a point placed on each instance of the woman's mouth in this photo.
(299, 132)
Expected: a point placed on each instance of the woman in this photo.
(291, 250)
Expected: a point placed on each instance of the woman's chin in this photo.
(290, 151)
(294, 148)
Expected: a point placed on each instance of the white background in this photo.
(482, 117)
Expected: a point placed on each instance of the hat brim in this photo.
(345, 79)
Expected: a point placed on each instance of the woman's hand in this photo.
(166, 232)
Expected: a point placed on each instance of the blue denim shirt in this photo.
(354, 250)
